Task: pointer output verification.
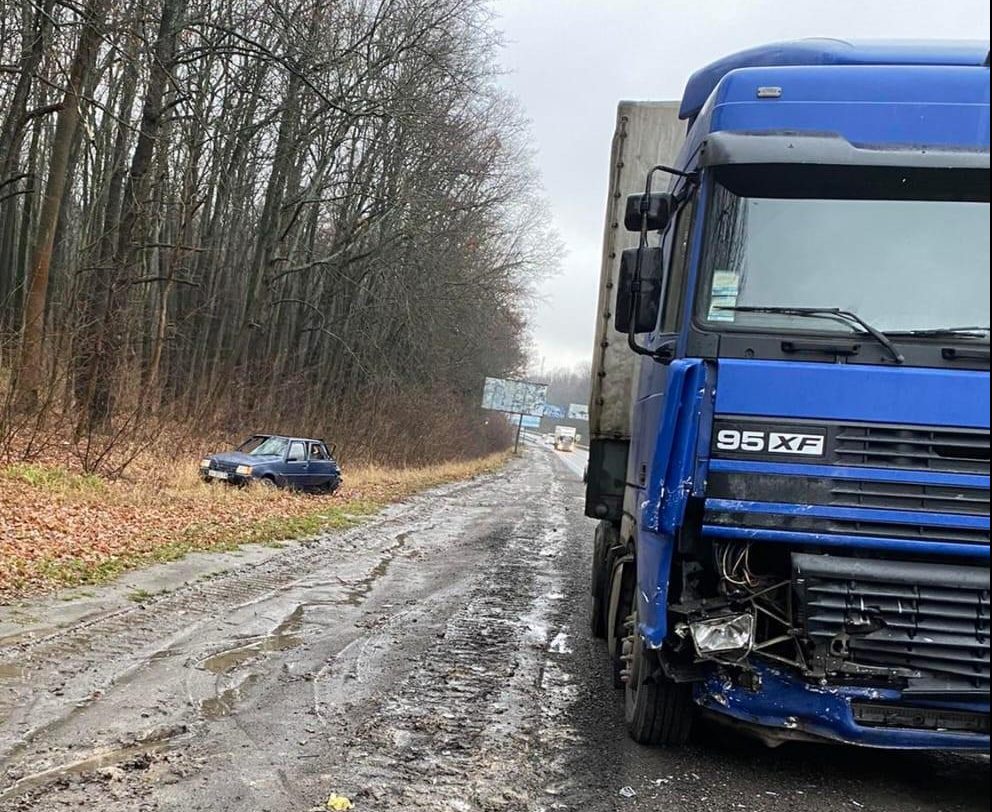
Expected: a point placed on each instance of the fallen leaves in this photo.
(59, 529)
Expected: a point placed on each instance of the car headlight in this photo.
(205, 462)
(244, 470)
(723, 634)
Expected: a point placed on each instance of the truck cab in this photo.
(564, 438)
(789, 456)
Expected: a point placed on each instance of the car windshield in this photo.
(900, 265)
(270, 446)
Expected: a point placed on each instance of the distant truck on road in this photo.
(564, 438)
(789, 422)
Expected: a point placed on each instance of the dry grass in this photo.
(373, 479)
(59, 527)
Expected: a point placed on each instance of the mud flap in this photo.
(622, 585)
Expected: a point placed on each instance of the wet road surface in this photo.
(435, 658)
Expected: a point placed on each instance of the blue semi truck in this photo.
(789, 451)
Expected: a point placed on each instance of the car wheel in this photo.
(268, 483)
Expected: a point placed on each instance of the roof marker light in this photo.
(769, 92)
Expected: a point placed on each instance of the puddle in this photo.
(166, 654)
(287, 635)
(12, 671)
(137, 755)
(360, 591)
(224, 703)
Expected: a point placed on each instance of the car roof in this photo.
(290, 437)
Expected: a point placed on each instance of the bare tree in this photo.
(303, 215)
(31, 364)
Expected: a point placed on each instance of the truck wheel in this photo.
(658, 711)
(604, 541)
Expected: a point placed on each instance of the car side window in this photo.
(317, 451)
(675, 288)
(297, 453)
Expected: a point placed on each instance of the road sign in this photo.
(578, 411)
(518, 397)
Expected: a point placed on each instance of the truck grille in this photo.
(909, 496)
(857, 493)
(848, 527)
(927, 622)
(928, 449)
(920, 532)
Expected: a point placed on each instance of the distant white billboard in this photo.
(578, 411)
(518, 397)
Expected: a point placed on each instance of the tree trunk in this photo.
(101, 403)
(32, 341)
(11, 139)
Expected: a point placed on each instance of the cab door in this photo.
(652, 380)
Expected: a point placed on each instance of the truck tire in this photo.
(658, 711)
(604, 540)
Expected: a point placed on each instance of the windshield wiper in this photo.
(963, 332)
(836, 313)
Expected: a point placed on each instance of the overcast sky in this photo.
(570, 61)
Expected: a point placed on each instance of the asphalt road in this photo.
(433, 659)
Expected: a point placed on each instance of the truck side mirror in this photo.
(650, 297)
(657, 206)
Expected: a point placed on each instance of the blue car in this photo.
(274, 461)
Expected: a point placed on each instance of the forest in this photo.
(225, 216)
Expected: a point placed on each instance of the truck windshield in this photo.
(901, 265)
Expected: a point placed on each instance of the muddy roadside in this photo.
(399, 661)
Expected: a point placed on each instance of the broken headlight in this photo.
(723, 634)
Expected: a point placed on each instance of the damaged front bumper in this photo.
(873, 652)
(227, 477)
(786, 708)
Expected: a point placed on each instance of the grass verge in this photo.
(60, 529)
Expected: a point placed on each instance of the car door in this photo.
(321, 469)
(296, 472)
